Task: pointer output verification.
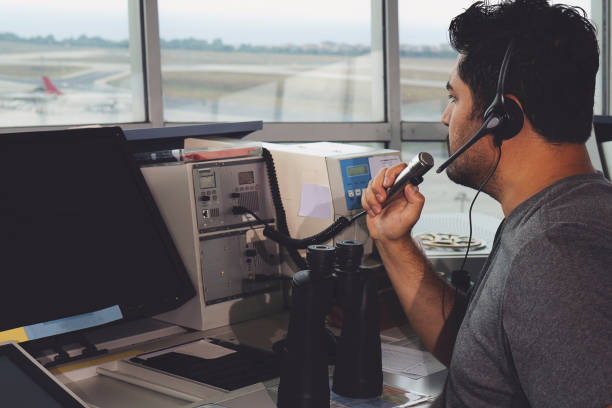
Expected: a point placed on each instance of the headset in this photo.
(503, 118)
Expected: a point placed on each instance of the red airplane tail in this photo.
(50, 88)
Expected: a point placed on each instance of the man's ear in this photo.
(511, 118)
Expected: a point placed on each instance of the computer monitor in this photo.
(81, 238)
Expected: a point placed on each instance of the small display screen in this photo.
(207, 181)
(246, 177)
(357, 170)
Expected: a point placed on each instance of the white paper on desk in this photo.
(315, 201)
(378, 162)
(409, 362)
(200, 348)
(204, 349)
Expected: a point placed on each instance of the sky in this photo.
(266, 22)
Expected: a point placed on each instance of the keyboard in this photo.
(245, 367)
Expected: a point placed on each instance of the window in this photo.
(426, 57)
(70, 62)
(425, 63)
(272, 60)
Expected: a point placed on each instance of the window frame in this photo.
(392, 130)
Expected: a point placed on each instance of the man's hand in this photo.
(396, 220)
(418, 287)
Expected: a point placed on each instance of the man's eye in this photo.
(451, 98)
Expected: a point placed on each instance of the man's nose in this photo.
(445, 119)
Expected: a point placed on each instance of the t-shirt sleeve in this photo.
(446, 340)
(557, 318)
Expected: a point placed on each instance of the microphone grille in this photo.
(426, 159)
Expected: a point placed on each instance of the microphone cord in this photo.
(294, 243)
(467, 251)
(281, 216)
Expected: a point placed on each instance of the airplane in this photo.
(50, 88)
(48, 98)
(30, 100)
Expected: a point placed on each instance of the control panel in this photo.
(221, 185)
(233, 266)
(355, 178)
(238, 263)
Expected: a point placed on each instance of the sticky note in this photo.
(17, 335)
(315, 201)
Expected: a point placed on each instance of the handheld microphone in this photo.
(503, 117)
(413, 173)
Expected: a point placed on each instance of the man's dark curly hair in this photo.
(552, 69)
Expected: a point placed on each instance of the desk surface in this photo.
(114, 384)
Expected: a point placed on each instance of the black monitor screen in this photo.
(24, 384)
(80, 232)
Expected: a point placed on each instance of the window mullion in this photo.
(392, 70)
(152, 63)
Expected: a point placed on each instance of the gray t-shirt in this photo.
(538, 327)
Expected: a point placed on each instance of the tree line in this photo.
(217, 45)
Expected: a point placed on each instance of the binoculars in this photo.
(304, 381)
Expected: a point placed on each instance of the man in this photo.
(536, 329)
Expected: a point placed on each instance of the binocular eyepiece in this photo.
(348, 254)
(321, 260)
(304, 381)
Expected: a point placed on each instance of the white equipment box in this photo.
(319, 182)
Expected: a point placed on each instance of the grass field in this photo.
(205, 85)
(337, 80)
(194, 84)
(7, 47)
(208, 57)
(36, 71)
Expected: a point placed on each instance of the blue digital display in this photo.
(355, 178)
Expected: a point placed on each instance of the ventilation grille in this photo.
(214, 212)
(250, 200)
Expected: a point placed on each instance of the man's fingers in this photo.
(377, 188)
(364, 197)
(367, 200)
(392, 173)
(414, 197)
(376, 193)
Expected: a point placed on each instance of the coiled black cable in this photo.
(323, 236)
(281, 216)
(303, 243)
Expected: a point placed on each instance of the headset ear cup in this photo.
(512, 121)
